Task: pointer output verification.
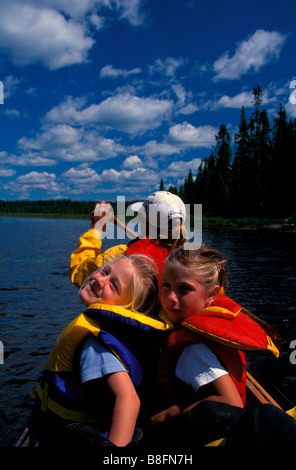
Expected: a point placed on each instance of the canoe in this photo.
(255, 394)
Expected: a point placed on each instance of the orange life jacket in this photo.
(227, 331)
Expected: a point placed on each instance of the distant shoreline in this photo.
(46, 216)
(235, 223)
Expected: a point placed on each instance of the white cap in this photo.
(167, 205)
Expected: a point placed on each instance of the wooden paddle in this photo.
(258, 393)
(124, 227)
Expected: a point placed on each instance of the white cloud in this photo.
(250, 55)
(57, 33)
(188, 109)
(85, 176)
(242, 99)
(31, 34)
(24, 184)
(26, 159)
(168, 66)
(291, 109)
(67, 143)
(154, 149)
(34, 177)
(184, 99)
(131, 162)
(57, 137)
(6, 172)
(186, 135)
(123, 112)
(180, 168)
(112, 72)
(11, 84)
(126, 177)
(130, 10)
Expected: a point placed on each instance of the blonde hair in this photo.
(176, 235)
(144, 297)
(206, 261)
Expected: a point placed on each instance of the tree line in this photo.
(57, 207)
(255, 176)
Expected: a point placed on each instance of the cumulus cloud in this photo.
(127, 177)
(31, 34)
(168, 67)
(131, 162)
(250, 55)
(26, 159)
(46, 182)
(57, 33)
(291, 109)
(186, 135)
(111, 72)
(123, 112)
(6, 172)
(153, 148)
(34, 177)
(67, 143)
(11, 85)
(82, 175)
(180, 168)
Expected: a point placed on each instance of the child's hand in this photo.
(101, 210)
(160, 417)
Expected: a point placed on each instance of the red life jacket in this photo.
(223, 328)
(151, 248)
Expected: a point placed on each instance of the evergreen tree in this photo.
(241, 169)
(173, 190)
(161, 185)
(222, 171)
(283, 166)
(189, 187)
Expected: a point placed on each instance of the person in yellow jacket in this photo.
(96, 367)
(170, 212)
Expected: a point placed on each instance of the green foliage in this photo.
(59, 207)
(252, 178)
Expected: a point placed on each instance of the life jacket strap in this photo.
(65, 413)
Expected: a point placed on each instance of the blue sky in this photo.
(105, 98)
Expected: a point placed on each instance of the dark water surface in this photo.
(37, 299)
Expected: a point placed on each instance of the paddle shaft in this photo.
(124, 227)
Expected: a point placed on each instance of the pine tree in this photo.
(260, 155)
(189, 187)
(241, 169)
(161, 185)
(283, 166)
(173, 190)
(223, 171)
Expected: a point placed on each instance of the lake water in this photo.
(37, 299)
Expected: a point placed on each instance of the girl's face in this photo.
(111, 285)
(182, 292)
